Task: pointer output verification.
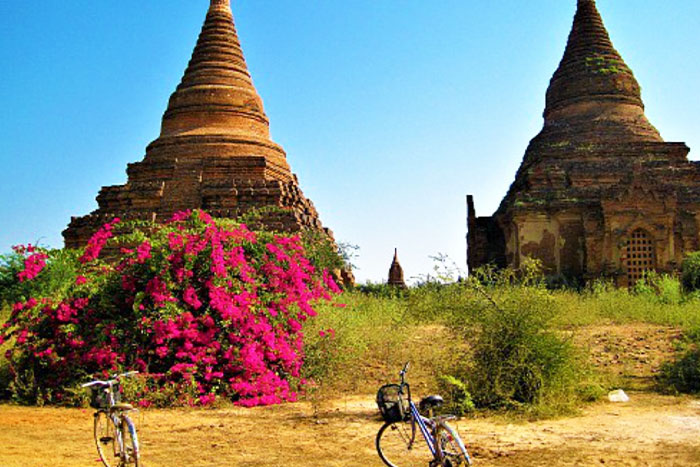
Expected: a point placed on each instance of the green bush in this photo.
(691, 272)
(347, 335)
(683, 374)
(518, 358)
(458, 399)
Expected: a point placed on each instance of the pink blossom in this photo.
(80, 280)
(98, 241)
(33, 265)
(190, 297)
(143, 252)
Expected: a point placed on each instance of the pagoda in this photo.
(214, 151)
(599, 192)
(396, 272)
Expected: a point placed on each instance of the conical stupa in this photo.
(214, 151)
(599, 193)
(396, 272)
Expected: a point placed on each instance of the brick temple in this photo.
(599, 193)
(214, 151)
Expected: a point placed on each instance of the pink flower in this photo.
(33, 265)
(98, 241)
(207, 399)
(180, 216)
(80, 280)
(190, 297)
(143, 252)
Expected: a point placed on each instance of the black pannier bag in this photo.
(391, 403)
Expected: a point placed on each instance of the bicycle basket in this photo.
(391, 403)
(99, 396)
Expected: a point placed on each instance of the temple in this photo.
(396, 272)
(599, 193)
(214, 151)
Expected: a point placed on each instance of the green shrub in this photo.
(691, 272)
(5, 376)
(519, 357)
(683, 373)
(458, 399)
(381, 290)
(347, 335)
(660, 288)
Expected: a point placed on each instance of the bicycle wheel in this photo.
(130, 456)
(450, 449)
(106, 439)
(401, 444)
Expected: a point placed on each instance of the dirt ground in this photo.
(650, 430)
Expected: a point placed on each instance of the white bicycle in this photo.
(115, 433)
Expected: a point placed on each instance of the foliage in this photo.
(517, 357)
(457, 396)
(381, 290)
(683, 373)
(660, 288)
(192, 303)
(346, 337)
(690, 268)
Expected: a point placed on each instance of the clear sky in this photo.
(391, 111)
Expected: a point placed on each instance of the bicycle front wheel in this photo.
(106, 439)
(130, 455)
(449, 446)
(401, 444)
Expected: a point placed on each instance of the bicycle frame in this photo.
(420, 420)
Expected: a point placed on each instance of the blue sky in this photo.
(391, 111)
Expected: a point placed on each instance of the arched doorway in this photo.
(638, 256)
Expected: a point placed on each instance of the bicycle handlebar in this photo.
(404, 384)
(110, 382)
(403, 372)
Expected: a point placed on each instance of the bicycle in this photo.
(115, 433)
(396, 440)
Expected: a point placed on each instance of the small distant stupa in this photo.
(396, 272)
(214, 151)
(599, 193)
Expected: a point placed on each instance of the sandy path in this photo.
(650, 430)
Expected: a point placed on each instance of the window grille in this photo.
(638, 256)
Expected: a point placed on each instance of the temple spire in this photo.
(593, 83)
(224, 5)
(396, 272)
(216, 94)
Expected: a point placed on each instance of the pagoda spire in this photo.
(593, 82)
(224, 5)
(396, 272)
(216, 94)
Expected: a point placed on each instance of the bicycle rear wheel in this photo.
(450, 449)
(130, 456)
(401, 444)
(106, 439)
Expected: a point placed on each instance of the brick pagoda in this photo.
(396, 272)
(214, 151)
(599, 193)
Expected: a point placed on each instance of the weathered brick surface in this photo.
(214, 151)
(597, 172)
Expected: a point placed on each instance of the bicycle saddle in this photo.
(430, 402)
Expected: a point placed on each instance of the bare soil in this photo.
(651, 429)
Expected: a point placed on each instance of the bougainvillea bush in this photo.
(205, 309)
